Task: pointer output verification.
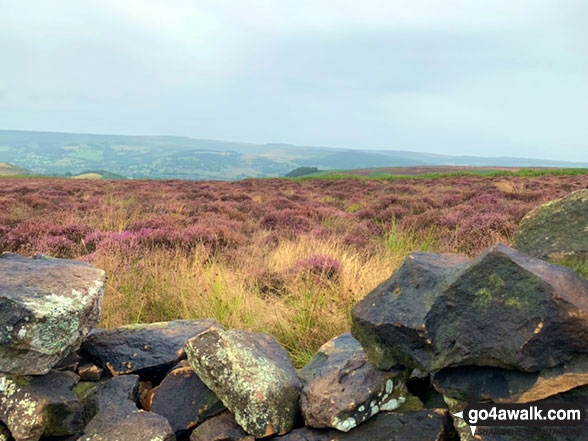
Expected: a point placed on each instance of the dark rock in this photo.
(427, 425)
(47, 306)
(508, 386)
(148, 350)
(557, 230)
(220, 428)
(36, 406)
(348, 390)
(116, 416)
(252, 375)
(183, 399)
(390, 321)
(503, 309)
(90, 372)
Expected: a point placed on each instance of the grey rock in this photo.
(47, 306)
(348, 390)
(344, 343)
(36, 406)
(116, 416)
(556, 230)
(252, 375)
(183, 399)
(220, 428)
(149, 350)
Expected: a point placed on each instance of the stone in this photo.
(222, 427)
(90, 372)
(252, 375)
(146, 392)
(427, 425)
(508, 386)
(344, 343)
(503, 309)
(390, 321)
(4, 433)
(149, 350)
(349, 390)
(557, 230)
(47, 306)
(183, 399)
(70, 363)
(32, 407)
(116, 416)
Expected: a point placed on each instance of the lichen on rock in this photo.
(252, 375)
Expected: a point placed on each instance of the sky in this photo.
(467, 77)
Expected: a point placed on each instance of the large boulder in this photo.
(47, 306)
(347, 389)
(183, 399)
(390, 321)
(426, 425)
(503, 309)
(557, 230)
(116, 416)
(148, 350)
(40, 406)
(252, 375)
(220, 428)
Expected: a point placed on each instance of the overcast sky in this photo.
(484, 77)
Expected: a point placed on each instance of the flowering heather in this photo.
(320, 266)
(242, 251)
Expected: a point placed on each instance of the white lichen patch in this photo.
(18, 409)
(345, 425)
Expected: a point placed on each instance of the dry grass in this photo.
(307, 311)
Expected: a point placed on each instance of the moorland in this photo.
(289, 257)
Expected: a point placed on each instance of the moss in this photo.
(84, 388)
(412, 404)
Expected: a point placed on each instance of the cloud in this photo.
(460, 76)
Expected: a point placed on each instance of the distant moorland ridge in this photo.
(175, 157)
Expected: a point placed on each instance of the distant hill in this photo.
(97, 174)
(7, 169)
(176, 157)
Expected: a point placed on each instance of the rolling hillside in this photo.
(7, 169)
(167, 157)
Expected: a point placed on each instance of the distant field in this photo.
(430, 172)
(284, 256)
(384, 171)
(10, 170)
